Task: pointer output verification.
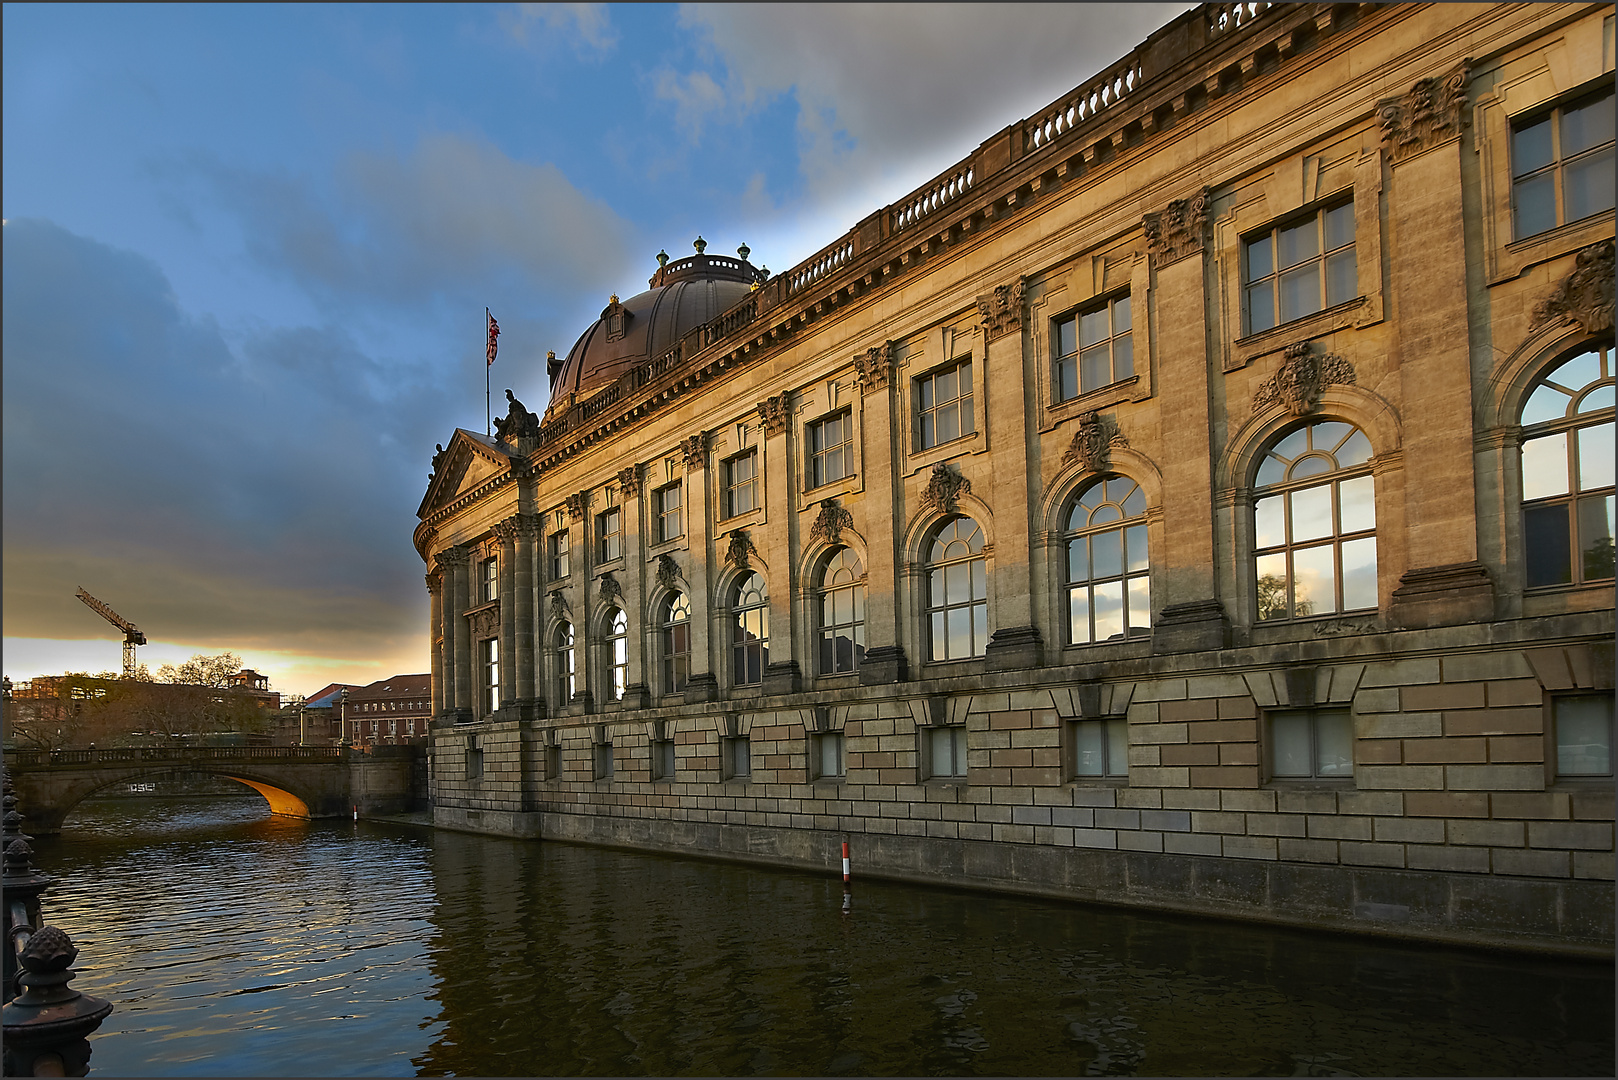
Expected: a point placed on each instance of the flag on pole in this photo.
(494, 332)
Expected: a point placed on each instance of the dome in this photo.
(683, 295)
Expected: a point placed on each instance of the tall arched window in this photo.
(675, 630)
(566, 669)
(617, 624)
(957, 591)
(1314, 523)
(750, 630)
(841, 596)
(1108, 593)
(1567, 472)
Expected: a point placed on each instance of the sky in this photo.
(248, 250)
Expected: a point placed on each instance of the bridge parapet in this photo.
(43, 759)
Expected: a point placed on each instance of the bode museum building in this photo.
(1198, 498)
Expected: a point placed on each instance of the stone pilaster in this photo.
(700, 566)
(1016, 641)
(506, 531)
(881, 516)
(458, 632)
(1429, 269)
(1185, 590)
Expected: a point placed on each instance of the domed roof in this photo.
(683, 295)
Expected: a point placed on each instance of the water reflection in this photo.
(234, 945)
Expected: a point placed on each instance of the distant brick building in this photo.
(1199, 497)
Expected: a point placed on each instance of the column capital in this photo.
(1002, 309)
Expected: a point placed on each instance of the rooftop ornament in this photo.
(700, 244)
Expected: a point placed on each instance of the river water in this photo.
(237, 944)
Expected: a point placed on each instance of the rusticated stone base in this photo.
(525, 825)
(1568, 917)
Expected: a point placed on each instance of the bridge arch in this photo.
(294, 782)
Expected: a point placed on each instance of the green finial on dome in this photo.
(662, 259)
(700, 244)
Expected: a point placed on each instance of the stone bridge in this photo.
(297, 781)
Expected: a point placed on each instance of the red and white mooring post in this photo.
(845, 862)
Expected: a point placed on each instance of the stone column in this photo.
(581, 556)
(435, 630)
(783, 675)
(1443, 582)
(1016, 641)
(1185, 589)
(522, 599)
(884, 660)
(458, 674)
(626, 590)
(506, 532)
(704, 685)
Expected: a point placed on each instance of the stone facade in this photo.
(1103, 647)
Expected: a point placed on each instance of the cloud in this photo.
(406, 230)
(888, 94)
(250, 494)
(586, 27)
(694, 97)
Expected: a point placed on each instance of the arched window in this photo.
(566, 668)
(1314, 523)
(675, 630)
(841, 593)
(957, 591)
(1567, 472)
(1108, 593)
(617, 624)
(750, 630)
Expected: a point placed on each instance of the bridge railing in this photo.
(114, 755)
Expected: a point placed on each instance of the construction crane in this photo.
(132, 635)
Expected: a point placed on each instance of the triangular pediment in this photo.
(469, 461)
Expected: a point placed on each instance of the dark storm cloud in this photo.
(454, 215)
(258, 491)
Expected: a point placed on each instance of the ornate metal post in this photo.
(47, 1025)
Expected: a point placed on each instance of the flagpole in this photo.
(488, 414)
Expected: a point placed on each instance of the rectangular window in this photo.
(830, 456)
(662, 759)
(1583, 735)
(946, 753)
(1561, 164)
(490, 650)
(1099, 747)
(1311, 744)
(738, 758)
(609, 535)
(489, 573)
(474, 760)
(1094, 348)
(944, 405)
(828, 756)
(670, 519)
(558, 555)
(741, 484)
(603, 761)
(1300, 268)
(553, 763)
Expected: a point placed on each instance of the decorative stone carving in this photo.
(695, 451)
(506, 531)
(578, 506)
(438, 462)
(518, 423)
(616, 318)
(1301, 379)
(1001, 310)
(773, 413)
(1432, 111)
(435, 581)
(741, 550)
(830, 523)
(610, 590)
(944, 489)
(485, 622)
(1178, 230)
(1092, 444)
(558, 605)
(873, 368)
(629, 480)
(1586, 295)
(668, 571)
(452, 557)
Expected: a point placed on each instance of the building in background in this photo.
(1200, 497)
